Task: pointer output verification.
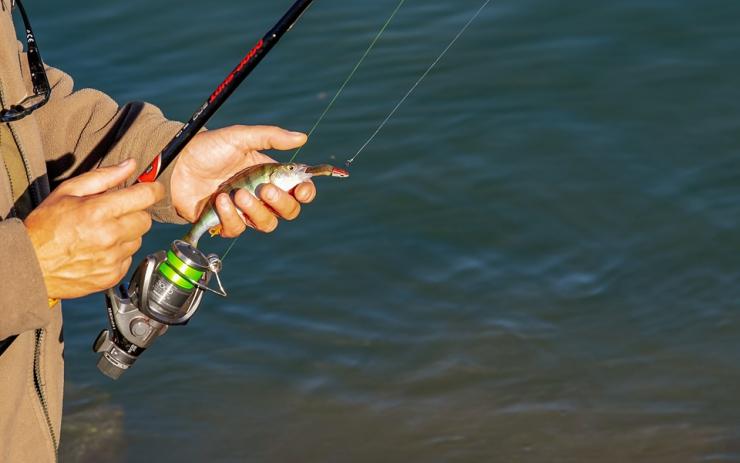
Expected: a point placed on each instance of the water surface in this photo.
(535, 261)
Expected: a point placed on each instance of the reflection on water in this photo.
(93, 427)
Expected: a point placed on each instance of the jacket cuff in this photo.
(164, 211)
(24, 304)
(160, 135)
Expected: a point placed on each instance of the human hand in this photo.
(84, 235)
(213, 157)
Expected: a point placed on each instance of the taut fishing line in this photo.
(349, 162)
(336, 96)
(413, 88)
(168, 286)
(351, 75)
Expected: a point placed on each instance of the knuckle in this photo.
(117, 272)
(107, 239)
(125, 265)
(148, 194)
(259, 130)
(112, 278)
(132, 247)
(158, 191)
(111, 262)
(67, 202)
(146, 221)
(96, 213)
(62, 189)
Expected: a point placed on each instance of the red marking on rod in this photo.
(238, 69)
(151, 172)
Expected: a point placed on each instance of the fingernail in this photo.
(297, 134)
(271, 194)
(245, 199)
(125, 163)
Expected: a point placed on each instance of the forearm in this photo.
(24, 303)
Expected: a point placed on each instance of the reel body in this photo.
(165, 290)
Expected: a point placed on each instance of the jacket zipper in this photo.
(40, 388)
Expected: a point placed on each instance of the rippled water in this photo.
(536, 261)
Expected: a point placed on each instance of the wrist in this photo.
(37, 244)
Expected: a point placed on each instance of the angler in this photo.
(72, 216)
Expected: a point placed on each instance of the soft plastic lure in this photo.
(284, 176)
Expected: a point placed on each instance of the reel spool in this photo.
(165, 290)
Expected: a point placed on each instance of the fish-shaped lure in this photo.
(284, 176)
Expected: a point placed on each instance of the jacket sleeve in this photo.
(23, 299)
(85, 129)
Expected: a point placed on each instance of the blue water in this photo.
(535, 261)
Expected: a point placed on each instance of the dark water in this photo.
(536, 261)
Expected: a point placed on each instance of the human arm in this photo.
(78, 241)
(85, 129)
(85, 233)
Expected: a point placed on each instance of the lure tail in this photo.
(326, 170)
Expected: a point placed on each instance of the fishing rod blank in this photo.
(223, 92)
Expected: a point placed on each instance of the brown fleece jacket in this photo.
(76, 131)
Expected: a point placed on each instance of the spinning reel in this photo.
(165, 290)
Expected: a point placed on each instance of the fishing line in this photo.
(336, 96)
(233, 243)
(351, 75)
(350, 161)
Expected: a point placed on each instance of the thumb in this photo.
(260, 137)
(99, 180)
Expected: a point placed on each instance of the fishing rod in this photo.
(167, 287)
(245, 67)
